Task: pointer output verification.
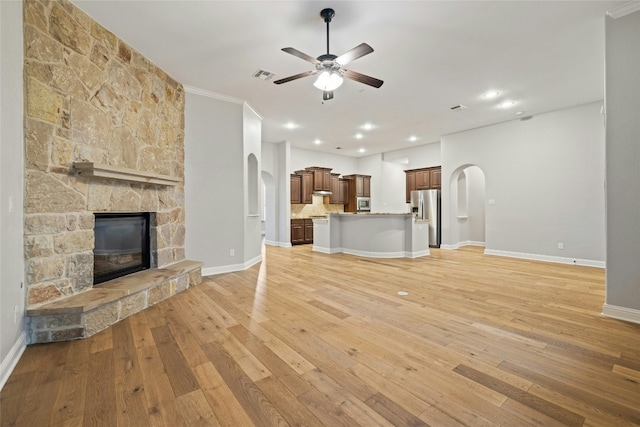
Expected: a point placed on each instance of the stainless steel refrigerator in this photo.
(425, 204)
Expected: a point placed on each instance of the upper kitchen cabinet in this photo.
(302, 187)
(321, 178)
(422, 179)
(344, 191)
(296, 188)
(361, 183)
(334, 198)
(435, 175)
(411, 184)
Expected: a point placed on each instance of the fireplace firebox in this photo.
(122, 245)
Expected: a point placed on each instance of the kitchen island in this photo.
(375, 235)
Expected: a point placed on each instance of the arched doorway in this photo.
(467, 203)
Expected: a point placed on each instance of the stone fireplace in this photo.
(104, 132)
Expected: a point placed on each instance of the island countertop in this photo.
(377, 235)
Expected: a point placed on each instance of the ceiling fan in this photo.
(329, 67)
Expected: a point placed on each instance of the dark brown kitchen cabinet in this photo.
(422, 179)
(321, 178)
(297, 231)
(308, 231)
(334, 198)
(301, 231)
(305, 188)
(435, 177)
(411, 184)
(361, 185)
(344, 191)
(366, 186)
(296, 188)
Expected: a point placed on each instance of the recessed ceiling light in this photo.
(291, 125)
(413, 138)
(491, 94)
(367, 126)
(359, 136)
(362, 150)
(317, 142)
(507, 104)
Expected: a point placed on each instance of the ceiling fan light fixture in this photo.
(328, 80)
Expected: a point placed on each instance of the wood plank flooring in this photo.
(309, 339)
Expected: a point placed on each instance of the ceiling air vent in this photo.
(458, 108)
(263, 75)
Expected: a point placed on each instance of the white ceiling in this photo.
(432, 55)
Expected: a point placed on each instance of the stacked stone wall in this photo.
(92, 98)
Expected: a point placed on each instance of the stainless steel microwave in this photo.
(363, 204)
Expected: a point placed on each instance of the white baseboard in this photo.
(461, 244)
(450, 247)
(324, 250)
(210, 271)
(547, 258)
(621, 313)
(471, 243)
(280, 244)
(10, 362)
(366, 254)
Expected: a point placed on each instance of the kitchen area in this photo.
(316, 192)
(334, 213)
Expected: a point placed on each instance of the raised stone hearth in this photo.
(89, 312)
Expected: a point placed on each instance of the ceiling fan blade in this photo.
(355, 53)
(301, 55)
(295, 77)
(371, 81)
(327, 95)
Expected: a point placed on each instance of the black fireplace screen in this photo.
(121, 245)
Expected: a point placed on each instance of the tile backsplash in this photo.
(320, 206)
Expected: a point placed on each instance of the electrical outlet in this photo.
(232, 252)
(560, 245)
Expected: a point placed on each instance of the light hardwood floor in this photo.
(311, 339)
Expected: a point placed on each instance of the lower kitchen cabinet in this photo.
(301, 231)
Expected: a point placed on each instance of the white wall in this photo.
(394, 180)
(214, 182)
(301, 159)
(421, 156)
(12, 296)
(546, 176)
(372, 165)
(392, 184)
(622, 45)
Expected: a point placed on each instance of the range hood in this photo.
(322, 193)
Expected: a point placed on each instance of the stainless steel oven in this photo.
(363, 204)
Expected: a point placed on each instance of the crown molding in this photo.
(221, 97)
(624, 9)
